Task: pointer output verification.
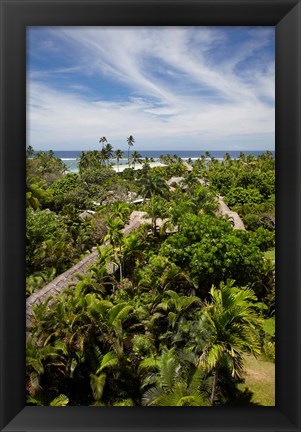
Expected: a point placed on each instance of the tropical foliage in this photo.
(166, 313)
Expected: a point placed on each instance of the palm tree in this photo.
(227, 157)
(118, 155)
(29, 151)
(96, 280)
(103, 155)
(114, 234)
(203, 200)
(175, 385)
(152, 184)
(83, 161)
(102, 140)
(130, 141)
(156, 209)
(233, 323)
(98, 380)
(121, 210)
(108, 151)
(176, 304)
(36, 357)
(132, 251)
(90, 159)
(36, 191)
(115, 237)
(55, 252)
(136, 157)
(242, 156)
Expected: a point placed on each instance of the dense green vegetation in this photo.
(168, 311)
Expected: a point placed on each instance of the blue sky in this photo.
(172, 88)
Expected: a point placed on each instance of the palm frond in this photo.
(148, 363)
(109, 360)
(169, 368)
(97, 384)
(151, 396)
(119, 312)
(61, 400)
(124, 402)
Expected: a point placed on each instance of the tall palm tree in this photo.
(136, 157)
(120, 210)
(130, 141)
(108, 152)
(83, 161)
(156, 209)
(29, 151)
(90, 159)
(103, 140)
(132, 251)
(114, 234)
(103, 155)
(232, 322)
(118, 155)
(115, 237)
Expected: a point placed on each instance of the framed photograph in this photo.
(27, 105)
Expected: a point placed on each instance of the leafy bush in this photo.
(239, 196)
(264, 239)
(251, 221)
(211, 251)
(48, 243)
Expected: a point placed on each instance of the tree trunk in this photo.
(120, 264)
(155, 226)
(214, 385)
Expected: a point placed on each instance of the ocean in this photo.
(70, 157)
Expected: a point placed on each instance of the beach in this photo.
(138, 166)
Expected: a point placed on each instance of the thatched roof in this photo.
(64, 280)
(86, 214)
(176, 180)
(188, 166)
(58, 284)
(224, 209)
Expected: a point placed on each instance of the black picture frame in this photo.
(15, 16)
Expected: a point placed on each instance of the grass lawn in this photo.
(259, 380)
(270, 254)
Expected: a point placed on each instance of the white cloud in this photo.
(163, 108)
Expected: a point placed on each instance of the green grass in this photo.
(270, 254)
(259, 380)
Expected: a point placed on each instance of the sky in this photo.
(171, 88)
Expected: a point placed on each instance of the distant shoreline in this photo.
(70, 157)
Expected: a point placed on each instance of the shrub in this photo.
(239, 196)
(264, 239)
(251, 221)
